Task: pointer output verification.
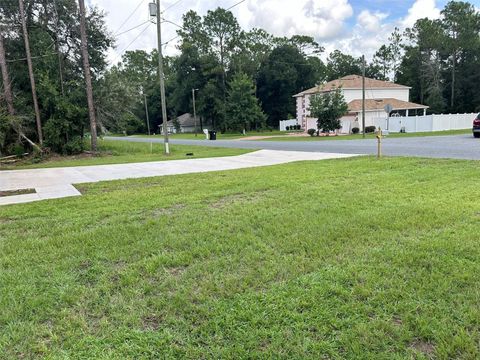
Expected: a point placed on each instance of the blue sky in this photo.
(354, 26)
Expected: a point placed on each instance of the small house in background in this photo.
(377, 94)
(183, 124)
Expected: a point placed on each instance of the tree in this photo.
(461, 25)
(211, 105)
(285, 73)
(243, 110)
(328, 108)
(88, 76)
(7, 89)
(383, 59)
(340, 65)
(30, 72)
(306, 45)
(395, 50)
(223, 31)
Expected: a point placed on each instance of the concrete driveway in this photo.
(58, 182)
(452, 147)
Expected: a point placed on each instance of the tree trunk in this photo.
(6, 78)
(30, 73)
(57, 48)
(88, 76)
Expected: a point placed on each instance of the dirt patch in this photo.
(423, 347)
(167, 211)
(236, 199)
(175, 271)
(151, 322)
(17, 192)
(397, 321)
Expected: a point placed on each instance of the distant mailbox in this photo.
(388, 108)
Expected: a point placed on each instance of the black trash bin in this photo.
(212, 135)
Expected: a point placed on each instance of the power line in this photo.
(181, 27)
(231, 7)
(169, 41)
(171, 6)
(33, 57)
(135, 39)
(129, 16)
(173, 23)
(133, 28)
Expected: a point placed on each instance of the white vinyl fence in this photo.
(427, 123)
(285, 123)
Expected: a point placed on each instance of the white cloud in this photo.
(325, 20)
(371, 22)
(421, 9)
(321, 19)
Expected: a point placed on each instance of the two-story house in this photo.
(377, 94)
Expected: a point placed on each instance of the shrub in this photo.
(298, 127)
(370, 129)
(355, 130)
(74, 146)
(312, 132)
(288, 128)
(131, 124)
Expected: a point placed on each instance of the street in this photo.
(452, 147)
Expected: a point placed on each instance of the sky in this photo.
(355, 27)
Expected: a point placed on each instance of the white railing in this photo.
(412, 124)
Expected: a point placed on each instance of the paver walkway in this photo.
(58, 182)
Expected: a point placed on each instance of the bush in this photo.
(312, 132)
(355, 130)
(370, 129)
(74, 146)
(288, 128)
(131, 124)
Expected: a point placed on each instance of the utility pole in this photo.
(363, 95)
(30, 73)
(194, 111)
(7, 88)
(162, 79)
(88, 76)
(146, 112)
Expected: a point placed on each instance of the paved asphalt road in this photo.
(454, 146)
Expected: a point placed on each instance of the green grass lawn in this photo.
(339, 259)
(220, 136)
(120, 152)
(370, 136)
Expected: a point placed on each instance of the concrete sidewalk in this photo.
(58, 182)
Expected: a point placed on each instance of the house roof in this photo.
(379, 104)
(352, 82)
(185, 120)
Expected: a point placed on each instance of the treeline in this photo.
(53, 28)
(439, 59)
(241, 79)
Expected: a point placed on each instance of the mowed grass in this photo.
(338, 259)
(220, 136)
(120, 152)
(371, 136)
